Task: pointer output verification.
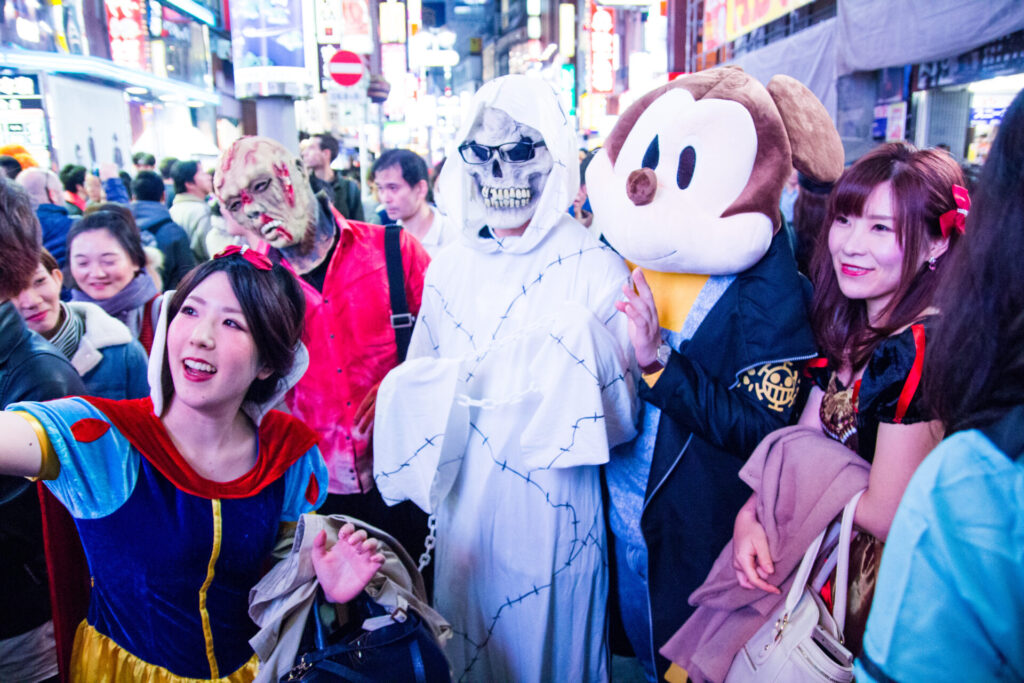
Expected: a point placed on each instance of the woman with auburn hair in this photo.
(950, 598)
(179, 498)
(893, 219)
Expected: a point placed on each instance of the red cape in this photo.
(283, 439)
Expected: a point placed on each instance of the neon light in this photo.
(602, 50)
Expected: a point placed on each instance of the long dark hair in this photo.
(922, 188)
(974, 363)
(274, 308)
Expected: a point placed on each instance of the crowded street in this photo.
(528, 341)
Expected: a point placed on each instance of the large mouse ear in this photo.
(817, 149)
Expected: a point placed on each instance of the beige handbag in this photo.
(802, 642)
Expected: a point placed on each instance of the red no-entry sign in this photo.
(346, 68)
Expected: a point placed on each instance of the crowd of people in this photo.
(193, 361)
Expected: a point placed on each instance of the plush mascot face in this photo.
(509, 164)
(690, 178)
(265, 189)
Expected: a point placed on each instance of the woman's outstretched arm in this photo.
(20, 452)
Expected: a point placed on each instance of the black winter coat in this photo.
(726, 388)
(31, 369)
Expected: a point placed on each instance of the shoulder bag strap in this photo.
(843, 564)
(401, 319)
(803, 573)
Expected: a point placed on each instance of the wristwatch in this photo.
(660, 360)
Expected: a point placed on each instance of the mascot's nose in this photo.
(641, 186)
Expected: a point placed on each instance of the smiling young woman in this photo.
(179, 498)
(107, 265)
(892, 222)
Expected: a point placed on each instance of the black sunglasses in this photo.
(511, 152)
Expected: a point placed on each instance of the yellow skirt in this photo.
(98, 659)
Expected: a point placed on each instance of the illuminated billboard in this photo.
(269, 53)
(727, 20)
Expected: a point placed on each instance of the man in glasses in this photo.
(518, 382)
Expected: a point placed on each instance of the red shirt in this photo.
(351, 345)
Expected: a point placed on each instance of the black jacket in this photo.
(713, 415)
(31, 369)
(158, 229)
(344, 194)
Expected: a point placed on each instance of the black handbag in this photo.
(398, 651)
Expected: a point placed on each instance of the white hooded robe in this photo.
(518, 382)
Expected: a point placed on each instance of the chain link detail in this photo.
(428, 542)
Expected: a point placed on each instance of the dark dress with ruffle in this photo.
(851, 415)
(886, 393)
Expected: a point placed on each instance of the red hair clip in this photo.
(255, 259)
(956, 218)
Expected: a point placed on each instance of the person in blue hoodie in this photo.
(159, 229)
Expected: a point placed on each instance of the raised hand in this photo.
(644, 329)
(345, 569)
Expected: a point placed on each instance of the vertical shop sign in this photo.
(324, 53)
(330, 24)
(716, 18)
(392, 22)
(567, 29)
(896, 122)
(345, 23)
(126, 24)
(603, 46)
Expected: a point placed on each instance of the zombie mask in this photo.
(509, 164)
(265, 190)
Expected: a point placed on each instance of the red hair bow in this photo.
(255, 259)
(956, 218)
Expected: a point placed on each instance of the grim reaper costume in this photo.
(516, 385)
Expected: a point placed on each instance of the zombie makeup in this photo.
(266, 193)
(509, 164)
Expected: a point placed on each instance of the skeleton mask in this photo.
(509, 164)
(266, 191)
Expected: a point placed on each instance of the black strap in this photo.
(343, 672)
(401, 319)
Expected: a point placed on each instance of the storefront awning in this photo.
(873, 34)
